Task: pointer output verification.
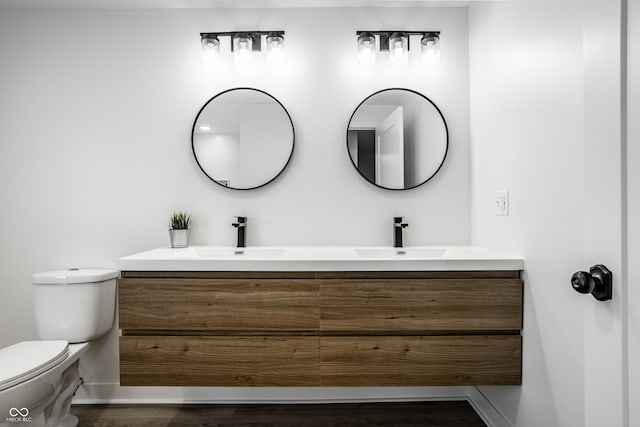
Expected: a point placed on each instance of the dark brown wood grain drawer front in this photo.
(420, 361)
(421, 305)
(218, 304)
(218, 361)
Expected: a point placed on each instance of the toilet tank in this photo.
(76, 305)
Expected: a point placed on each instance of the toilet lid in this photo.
(25, 360)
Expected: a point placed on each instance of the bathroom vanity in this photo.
(320, 317)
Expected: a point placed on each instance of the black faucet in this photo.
(241, 225)
(398, 225)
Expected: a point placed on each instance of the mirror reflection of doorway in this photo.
(397, 139)
(390, 150)
(380, 150)
(364, 141)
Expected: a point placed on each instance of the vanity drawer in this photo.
(421, 305)
(218, 361)
(302, 329)
(420, 360)
(175, 304)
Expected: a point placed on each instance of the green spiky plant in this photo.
(179, 221)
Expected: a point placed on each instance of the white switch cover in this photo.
(502, 202)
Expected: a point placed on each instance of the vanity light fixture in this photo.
(210, 45)
(366, 49)
(430, 49)
(398, 48)
(243, 45)
(275, 48)
(397, 43)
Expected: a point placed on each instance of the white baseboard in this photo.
(486, 410)
(94, 393)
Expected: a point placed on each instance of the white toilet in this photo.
(38, 378)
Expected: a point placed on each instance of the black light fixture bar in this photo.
(256, 36)
(385, 35)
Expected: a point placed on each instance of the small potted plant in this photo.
(179, 229)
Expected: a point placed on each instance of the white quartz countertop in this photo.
(320, 258)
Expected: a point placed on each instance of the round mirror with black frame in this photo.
(397, 139)
(242, 138)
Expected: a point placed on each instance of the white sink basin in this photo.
(401, 253)
(213, 252)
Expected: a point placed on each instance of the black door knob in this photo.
(582, 282)
(598, 282)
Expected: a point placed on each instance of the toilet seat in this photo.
(25, 360)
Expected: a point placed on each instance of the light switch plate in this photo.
(502, 202)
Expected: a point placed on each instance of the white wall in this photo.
(96, 114)
(526, 136)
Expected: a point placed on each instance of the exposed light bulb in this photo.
(242, 47)
(398, 49)
(430, 49)
(366, 49)
(275, 49)
(210, 49)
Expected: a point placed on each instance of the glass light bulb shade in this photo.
(275, 49)
(366, 49)
(210, 50)
(242, 47)
(430, 49)
(398, 49)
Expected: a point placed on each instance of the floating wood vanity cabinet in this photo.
(404, 328)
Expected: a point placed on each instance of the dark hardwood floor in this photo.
(405, 414)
